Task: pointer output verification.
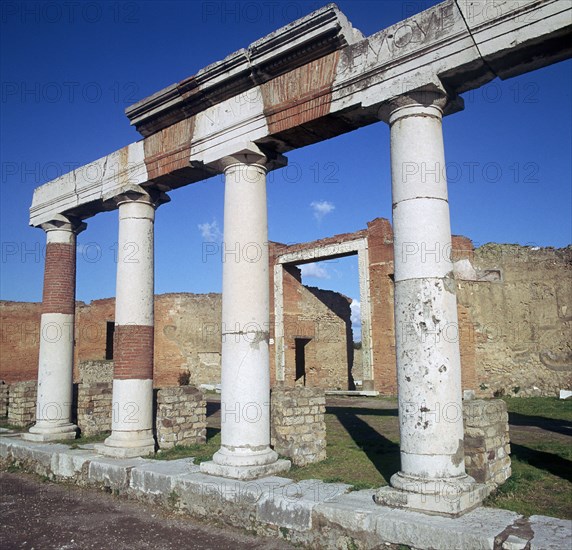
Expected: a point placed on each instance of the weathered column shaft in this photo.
(427, 346)
(245, 311)
(132, 417)
(426, 327)
(245, 396)
(55, 365)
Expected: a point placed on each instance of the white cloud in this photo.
(314, 270)
(356, 319)
(356, 313)
(322, 208)
(210, 231)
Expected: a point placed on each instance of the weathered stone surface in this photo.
(520, 321)
(550, 533)
(486, 440)
(22, 403)
(94, 407)
(298, 431)
(3, 399)
(292, 506)
(181, 416)
(113, 472)
(317, 514)
(159, 477)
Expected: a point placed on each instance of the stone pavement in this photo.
(310, 512)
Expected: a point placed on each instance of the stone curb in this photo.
(309, 512)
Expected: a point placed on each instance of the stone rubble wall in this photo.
(22, 403)
(181, 416)
(3, 399)
(487, 441)
(94, 407)
(298, 427)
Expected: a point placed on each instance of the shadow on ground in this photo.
(381, 451)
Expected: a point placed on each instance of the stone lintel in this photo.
(300, 42)
(446, 46)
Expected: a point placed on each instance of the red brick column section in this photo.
(59, 278)
(55, 364)
(132, 401)
(133, 357)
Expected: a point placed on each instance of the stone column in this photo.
(132, 401)
(55, 365)
(245, 451)
(432, 475)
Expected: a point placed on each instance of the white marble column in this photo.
(245, 451)
(132, 401)
(432, 475)
(55, 365)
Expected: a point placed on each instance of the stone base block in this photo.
(124, 452)
(245, 472)
(57, 433)
(452, 498)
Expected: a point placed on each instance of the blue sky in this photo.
(70, 69)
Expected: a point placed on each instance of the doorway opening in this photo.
(300, 351)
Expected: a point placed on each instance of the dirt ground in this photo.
(46, 516)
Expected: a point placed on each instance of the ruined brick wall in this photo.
(22, 403)
(298, 427)
(380, 249)
(181, 416)
(20, 329)
(320, 320)
(522, 321)
(187, 338)
(487, 441)
(91, 331)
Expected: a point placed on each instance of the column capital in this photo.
(242, 152)
(431, 97)
(64, 223)
(136, 193)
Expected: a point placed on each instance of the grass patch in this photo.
(541, 407)
(4, 424)
(363, 451)
(533, 490)
(362, 448)
(83, 440)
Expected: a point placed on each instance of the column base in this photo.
(245, 463)
(451, 497)
(126, 445)
(51, 433)
(245, 473)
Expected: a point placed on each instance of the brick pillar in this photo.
(55, 365)
(132, 401)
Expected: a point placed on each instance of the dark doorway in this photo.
(109, 340)
(301, 360)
